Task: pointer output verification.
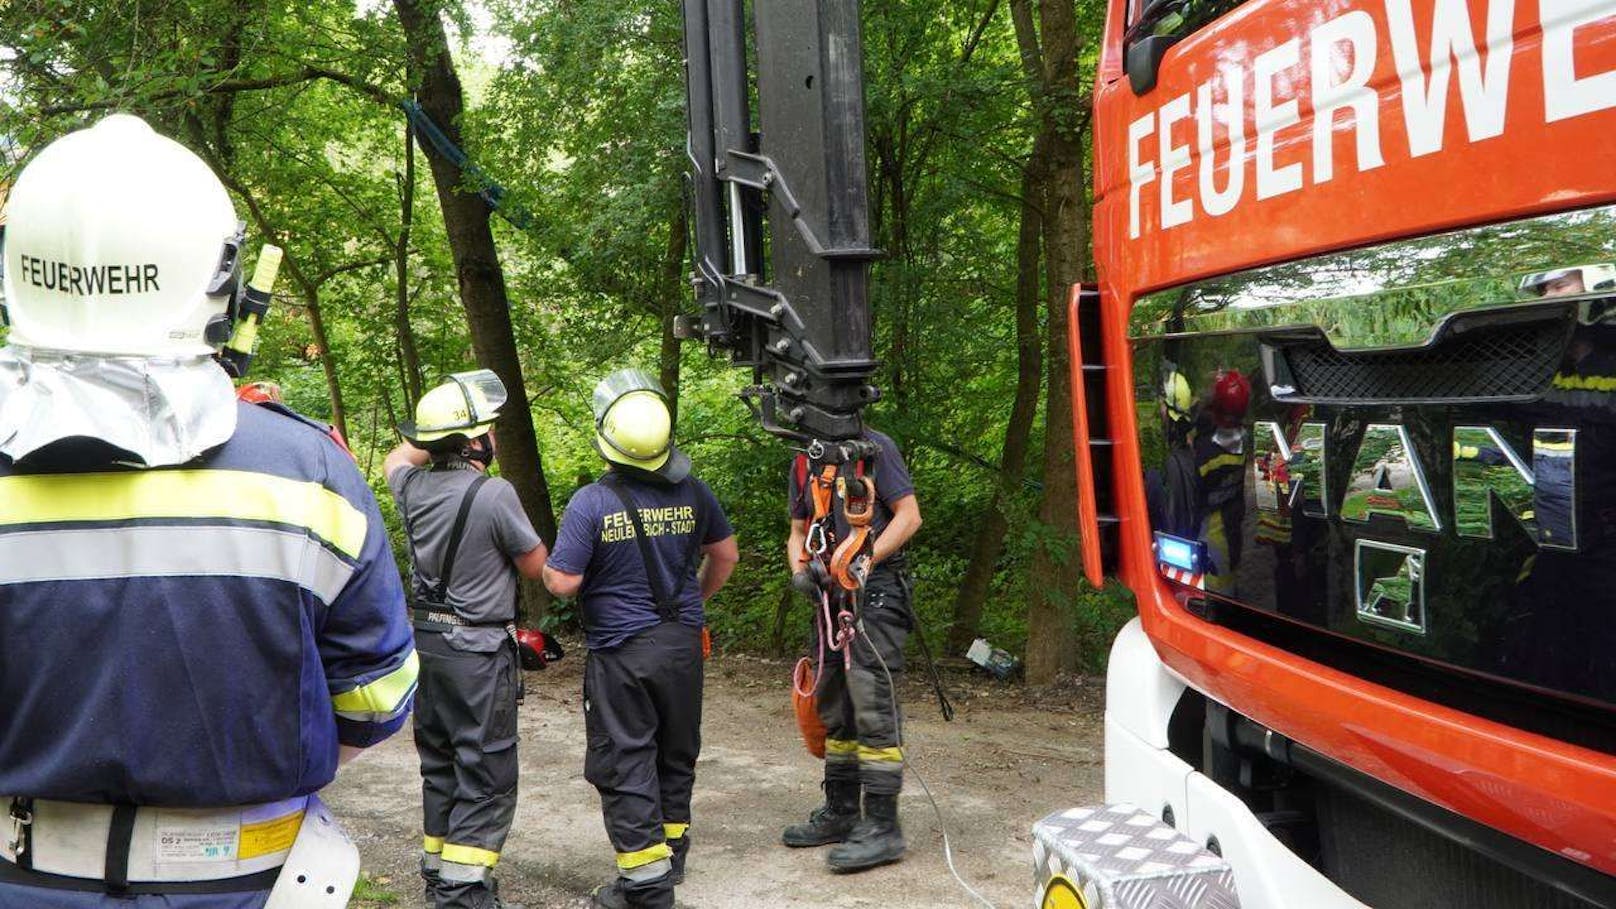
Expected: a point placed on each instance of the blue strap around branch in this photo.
(490, 192)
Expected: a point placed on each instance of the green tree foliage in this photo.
(575, 108)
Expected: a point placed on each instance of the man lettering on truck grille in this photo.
(469, 539)
(199, 614)
(859, 707)
(643, 549)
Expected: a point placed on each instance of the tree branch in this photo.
(237, 86)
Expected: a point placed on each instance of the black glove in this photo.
(811, 581)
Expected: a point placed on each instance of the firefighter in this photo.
(269, 394)
(1172, 493)
(859, 706)
(1547, 637)
(199, 615)
(1220, 464)
(469, 539)
(643, 549)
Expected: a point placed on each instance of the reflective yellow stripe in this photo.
(382, 698)
(882, 755)
(191, 494)
(675, 831)
(628, 861)
(841, 746)
(1224, 460)
(1585, 383)
(470, 855)
(432, 845)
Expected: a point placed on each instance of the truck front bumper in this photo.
(1146, 780)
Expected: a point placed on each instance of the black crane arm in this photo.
(799, 314)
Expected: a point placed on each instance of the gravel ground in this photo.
(1007, 760)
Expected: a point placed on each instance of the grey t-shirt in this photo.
(484, 585)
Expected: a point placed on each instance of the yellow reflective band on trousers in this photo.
(432, 845)
(628, 861)
(840, 749)
(880, 755)
(470, 855)
(189, 494)
(382, 699)
(675, 831)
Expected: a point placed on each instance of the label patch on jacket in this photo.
(271, 836)
(179, 838)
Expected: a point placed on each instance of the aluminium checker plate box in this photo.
(1119, 857)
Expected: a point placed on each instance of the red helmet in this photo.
(1231, 395)
(260, 393)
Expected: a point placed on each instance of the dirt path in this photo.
(1005, 762)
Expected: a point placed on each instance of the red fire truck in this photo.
(1347, 428)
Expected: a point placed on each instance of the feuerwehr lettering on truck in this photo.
(1343, 55)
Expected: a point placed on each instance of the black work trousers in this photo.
(642, 715)
(859, 705)
(465, 734)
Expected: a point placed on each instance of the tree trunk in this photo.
(218, 152)
(408, 352)
(891, 156)
(328, 361)
(482, 281)
(670, 293)
(782, 616)
(988, 545)
(1056, 567)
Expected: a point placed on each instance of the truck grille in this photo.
(1475, 362)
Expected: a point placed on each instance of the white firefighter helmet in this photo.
(462, 408)
(634, 426)
(121, 242)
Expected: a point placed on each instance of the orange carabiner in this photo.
(850, 563)
(858, 510)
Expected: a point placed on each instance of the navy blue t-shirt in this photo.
(892, 483)
(597, 541)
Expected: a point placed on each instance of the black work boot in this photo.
(830, 822)
(681, 849)
(430, 882)
(876, 839)
(622, 893)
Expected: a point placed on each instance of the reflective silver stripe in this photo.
(431, 861)
(457, 873)
(650, 871)
(169, 551)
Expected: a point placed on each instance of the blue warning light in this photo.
(1178, 552)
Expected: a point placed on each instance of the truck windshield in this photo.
(1177, 18)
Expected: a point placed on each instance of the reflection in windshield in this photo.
(1397, 295)
(1480, 534)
